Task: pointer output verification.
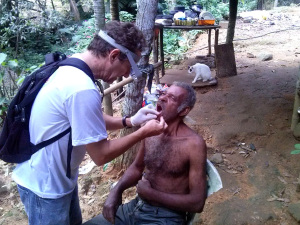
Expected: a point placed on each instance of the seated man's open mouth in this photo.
(158, 108)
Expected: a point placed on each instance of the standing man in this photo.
(70, 99)
(169, 170)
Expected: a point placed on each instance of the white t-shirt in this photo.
(68, 98)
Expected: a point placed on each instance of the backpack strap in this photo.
(79, 64)
(70, 148)
(43, 144)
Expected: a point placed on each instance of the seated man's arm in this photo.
(193, 201)
(130, 178)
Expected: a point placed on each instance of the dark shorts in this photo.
(139, 212)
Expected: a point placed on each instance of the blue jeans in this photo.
(139, 212)
(43, 211)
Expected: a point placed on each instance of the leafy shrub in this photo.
(126, 17)
(219, 9)
(83, 36)
(296, 150)
(176, 42)
(9, 81)
(247, 5)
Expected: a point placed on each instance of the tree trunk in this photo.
(80, 9)
(114, 12)
(7, 5)
(42, 5)
(17, 15)
(134, 93)
(99, 12)
(233, 4)
(260, 4)
(74, 10)
(52, 3)
(107, 102)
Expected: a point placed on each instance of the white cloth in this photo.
(68, 98)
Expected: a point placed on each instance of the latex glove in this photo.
(143, 115)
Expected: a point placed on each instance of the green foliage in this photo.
(2, 57)
(126, 17)
(185, 3)
(176, 42)
(219, 9)
(29, 31)
(29, 59)
(82, 36)
(247, 5)
(297, 149)
(9, 74)
(129, 6)
(11, 78)
(21, 33)
(171, 42)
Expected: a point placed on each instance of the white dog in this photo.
(202, 72)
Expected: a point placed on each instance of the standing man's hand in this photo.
(154, 127)
(111, 206)
(143, 115)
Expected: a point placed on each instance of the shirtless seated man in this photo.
(169, 170)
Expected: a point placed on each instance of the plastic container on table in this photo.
(206, 22)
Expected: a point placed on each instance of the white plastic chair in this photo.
(214, 184)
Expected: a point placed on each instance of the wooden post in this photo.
(125, 81)
(295, 126)
(216, 37)
(216, 44)
(225, 60)
(162, 50)
(209, 42)
(155, 53)
(107, 102)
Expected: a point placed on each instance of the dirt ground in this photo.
(253, 108)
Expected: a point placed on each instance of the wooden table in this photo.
(161, 28)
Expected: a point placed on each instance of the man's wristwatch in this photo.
(124, 121)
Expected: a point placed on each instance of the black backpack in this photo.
(15, 145)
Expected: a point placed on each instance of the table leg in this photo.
(216, 43)
(209, 42)
(216, 37)
(155, 57)
(162, 51)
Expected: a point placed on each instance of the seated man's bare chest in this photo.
(166, 159)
